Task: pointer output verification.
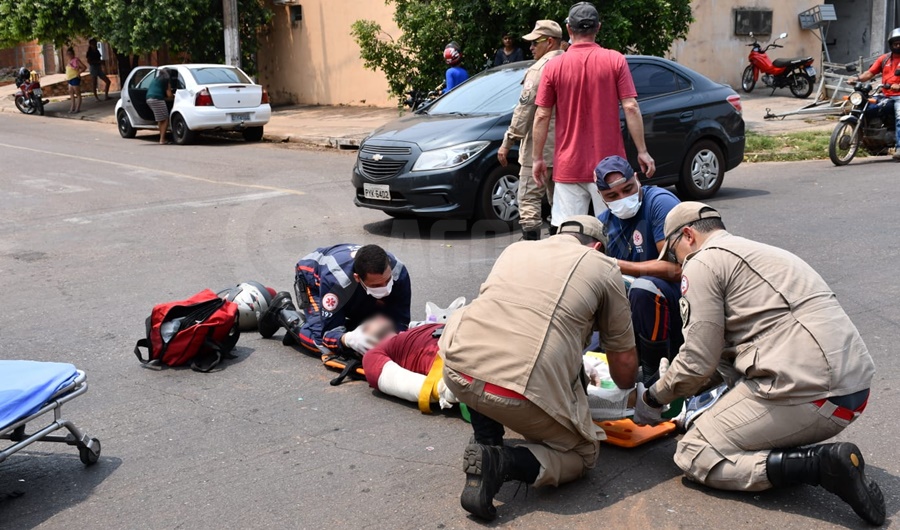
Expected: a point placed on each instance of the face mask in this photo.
(379, 292)
(626, 208)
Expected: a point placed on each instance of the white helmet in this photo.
(252, 298)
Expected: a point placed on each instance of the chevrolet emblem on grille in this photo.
(377, 157)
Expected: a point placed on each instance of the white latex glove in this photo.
(644, 414)
(358, 341)
(445, 396)
(590, 369)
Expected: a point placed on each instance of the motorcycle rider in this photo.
(888, 65)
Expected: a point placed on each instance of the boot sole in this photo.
(472, 498)
(267, 323)
(844, 474)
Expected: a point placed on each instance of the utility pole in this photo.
(232, 37)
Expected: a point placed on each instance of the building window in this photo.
(756, 21)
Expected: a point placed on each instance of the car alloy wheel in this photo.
(499, 195)
(703, 170)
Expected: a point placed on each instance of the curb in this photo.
(334, 142)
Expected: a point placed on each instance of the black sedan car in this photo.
(441, 161)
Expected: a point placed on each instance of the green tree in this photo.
(413, 59)
(55, 21)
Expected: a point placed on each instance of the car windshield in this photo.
(492, 92)
(212, 75)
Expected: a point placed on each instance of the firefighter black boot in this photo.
(487, 467)
(650, 353)
(838, 467)
(280, 313)
(531, 235)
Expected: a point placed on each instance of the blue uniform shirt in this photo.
(635, 239)
(335, 302)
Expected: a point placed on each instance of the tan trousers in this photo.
(564, 455)
(530, 196)
(728, 446)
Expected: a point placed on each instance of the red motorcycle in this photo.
(796, 73)
(29, 96)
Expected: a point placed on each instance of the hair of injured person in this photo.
(379, 327)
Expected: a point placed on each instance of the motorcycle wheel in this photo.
(23, 106)
(801, 85)
(38, 104)
(844, 144)
(747, 81)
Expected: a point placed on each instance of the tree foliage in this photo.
(52, 21)
(413, 58)
(193, 27)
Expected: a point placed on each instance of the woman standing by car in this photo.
(74, 67)
(157, 94)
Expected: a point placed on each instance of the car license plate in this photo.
(811, 71)
(38, 92)
(378, 192)
(243, 116)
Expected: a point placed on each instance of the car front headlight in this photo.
(448, 157)
(856, 98)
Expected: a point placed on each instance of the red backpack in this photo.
(201, 330)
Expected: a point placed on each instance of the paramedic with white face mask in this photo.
(634, 224)
(337, 289)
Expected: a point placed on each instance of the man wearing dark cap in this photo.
(513, 356)
(545, 39)
(634, 224)
(586, 85)
(763, 321)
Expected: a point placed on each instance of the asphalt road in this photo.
(95, 230)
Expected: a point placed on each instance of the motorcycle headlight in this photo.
(856, 98)
(448, 157)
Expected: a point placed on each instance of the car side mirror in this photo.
(783, 36)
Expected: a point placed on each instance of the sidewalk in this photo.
(344, 127)
(339, 127)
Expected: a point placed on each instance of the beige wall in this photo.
(713, 49)
(316, 61)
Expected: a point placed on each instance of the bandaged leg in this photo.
(404, 384)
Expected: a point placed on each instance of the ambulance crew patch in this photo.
(330, 302)
(684, 285)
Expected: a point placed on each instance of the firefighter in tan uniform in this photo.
(514, 357)
(545, 40)
(763, 321)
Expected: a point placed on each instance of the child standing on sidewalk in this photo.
(74, 68)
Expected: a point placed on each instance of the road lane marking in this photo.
(86, 219)
(52, 186)
(158, 171)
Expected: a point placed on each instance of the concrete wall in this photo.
(713, 49)
(316, 61)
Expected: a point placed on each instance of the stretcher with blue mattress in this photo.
(30, 390)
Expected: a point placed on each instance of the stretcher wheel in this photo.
(87, 456)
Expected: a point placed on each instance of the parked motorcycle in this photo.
(796, 73)
(869, 125)
(29, 97)
(416, 99)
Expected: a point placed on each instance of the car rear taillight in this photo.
(735, 101)
(203, 99)
(265, 96)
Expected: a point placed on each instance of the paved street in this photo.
(95, 230)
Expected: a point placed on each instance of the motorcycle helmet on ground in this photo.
(452, 55)
(252, 299)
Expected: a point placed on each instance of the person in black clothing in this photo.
(95, 65)
(509, 53)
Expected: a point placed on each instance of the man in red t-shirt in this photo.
(586, 85)
(407, 365)
(888, 65)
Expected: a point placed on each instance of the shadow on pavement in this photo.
(735, 193)
(41, 485)
(443, 229)
(809, 501)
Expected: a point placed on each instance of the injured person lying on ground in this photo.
(406, 365)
